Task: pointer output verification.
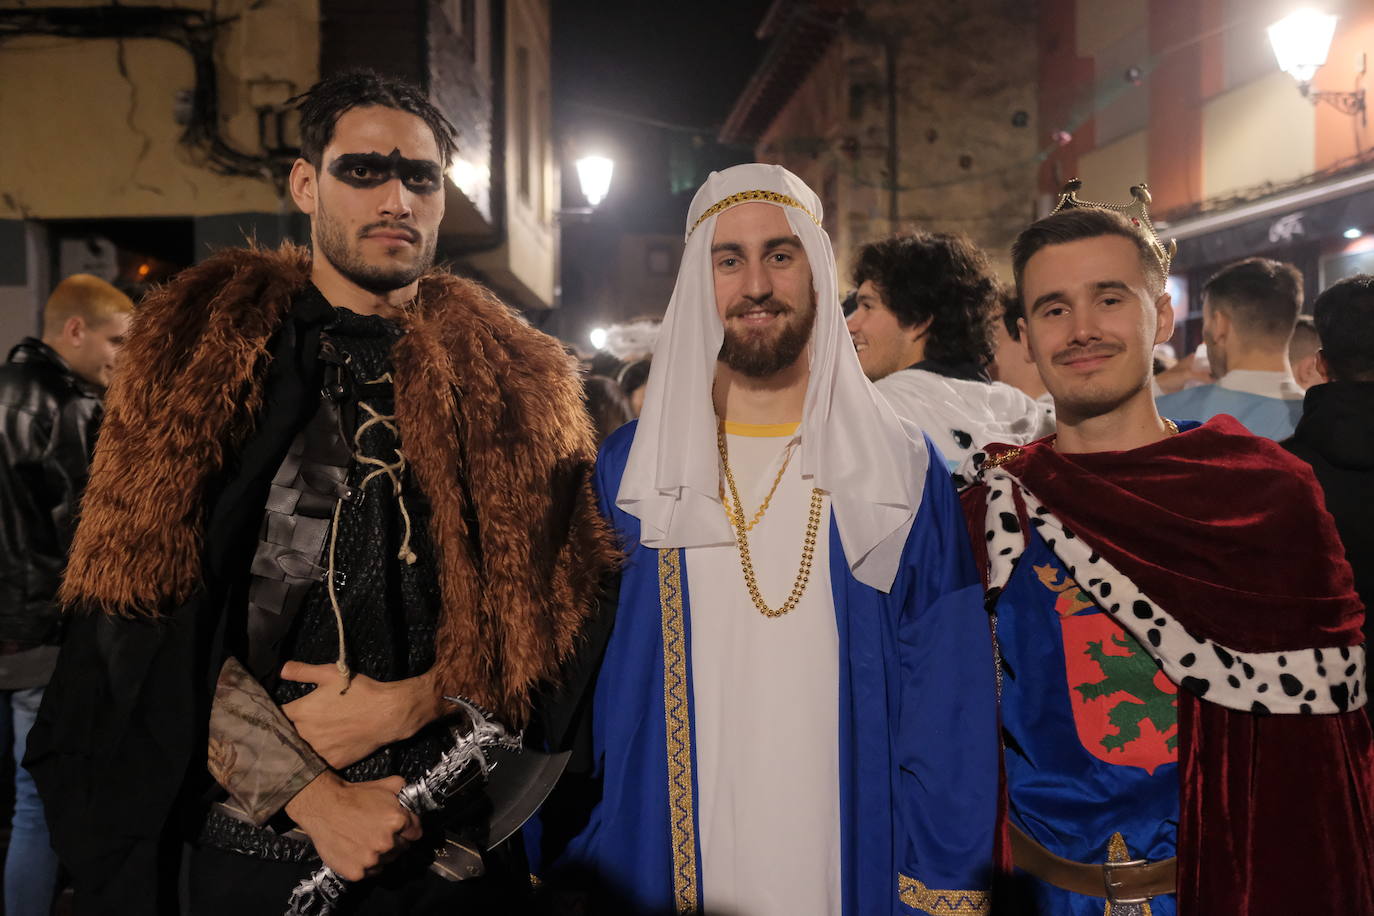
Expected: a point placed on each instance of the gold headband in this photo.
(772, 197)
(1137, 211)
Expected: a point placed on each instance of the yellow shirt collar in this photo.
(761, 430)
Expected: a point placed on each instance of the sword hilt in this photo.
(320, 893)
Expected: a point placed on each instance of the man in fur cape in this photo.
(1181, 661)
(331, 491)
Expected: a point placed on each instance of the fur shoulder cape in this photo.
(473, 381)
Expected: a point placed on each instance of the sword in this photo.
(320, 893)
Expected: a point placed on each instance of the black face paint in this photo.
(369, 170)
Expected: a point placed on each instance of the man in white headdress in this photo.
(795, 713)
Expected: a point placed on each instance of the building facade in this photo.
(619, 277)
(136, 138)
(983, 110)
(900, 115)
(1187, 95)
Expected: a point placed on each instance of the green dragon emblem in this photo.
(1134, 674)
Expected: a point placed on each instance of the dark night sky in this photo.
(679, 62)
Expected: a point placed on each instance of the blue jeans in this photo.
(30, 863)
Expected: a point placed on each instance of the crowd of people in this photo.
(956, 597)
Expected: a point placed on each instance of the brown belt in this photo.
(1120, 882)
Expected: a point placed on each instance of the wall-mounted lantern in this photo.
(1301, 42)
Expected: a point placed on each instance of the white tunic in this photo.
(766, 693)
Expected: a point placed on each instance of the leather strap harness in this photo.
(300, 508)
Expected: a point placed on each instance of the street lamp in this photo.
(1301, 42)
(594, 174)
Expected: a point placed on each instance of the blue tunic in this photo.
(1090, 726)
(917, 740)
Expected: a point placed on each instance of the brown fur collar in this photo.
(187, 392)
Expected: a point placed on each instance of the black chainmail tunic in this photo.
(390, 608)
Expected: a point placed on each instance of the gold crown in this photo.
(1137, 211)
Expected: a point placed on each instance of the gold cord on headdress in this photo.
(1137, 211)
(771, 197)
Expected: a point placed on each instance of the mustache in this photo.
(1073, 354)
(744, 306)
(384, 226)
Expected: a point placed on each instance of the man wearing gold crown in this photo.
(795, 714)
(1179, 638)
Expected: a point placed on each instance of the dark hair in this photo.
(943, 278)
(1264, 297)
(1011, 310)
(1076, 225)
(634, 375)
(324, 103)
(1344, 315)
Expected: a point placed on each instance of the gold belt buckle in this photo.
(1113, 883)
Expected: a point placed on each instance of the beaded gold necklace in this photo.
(734, 512)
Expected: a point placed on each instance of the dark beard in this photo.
(756, 356)
(346, 260)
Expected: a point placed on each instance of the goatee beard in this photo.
(333, 245)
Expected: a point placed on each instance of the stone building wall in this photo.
(965, 124)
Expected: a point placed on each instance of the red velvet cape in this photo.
(1227, 531)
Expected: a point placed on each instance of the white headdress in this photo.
(852, 444)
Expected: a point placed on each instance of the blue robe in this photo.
(1272, 418)
(1072, 786)
(917, 736)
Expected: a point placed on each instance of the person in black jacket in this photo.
(50, 393)
(1336, 432)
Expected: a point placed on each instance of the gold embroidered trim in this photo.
(940, 903)
(772, 197)
(676, 715)
(998, 460)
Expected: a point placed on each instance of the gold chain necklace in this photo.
(996, 461)
(736, 512)
(736, 517)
